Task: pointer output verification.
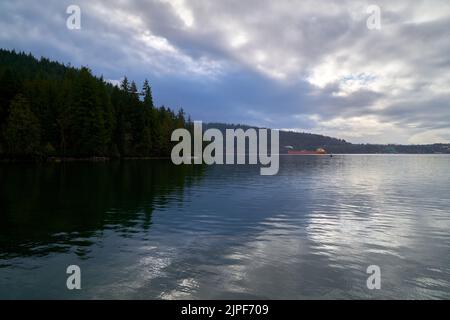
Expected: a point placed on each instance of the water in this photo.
(150, 230)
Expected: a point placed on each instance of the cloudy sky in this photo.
(309, 65)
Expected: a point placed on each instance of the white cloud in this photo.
(182, 11)
(431, 136)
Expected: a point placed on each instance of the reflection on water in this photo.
(148, 229)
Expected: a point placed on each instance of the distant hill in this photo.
(309, 141)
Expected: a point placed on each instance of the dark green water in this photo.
(151, 230)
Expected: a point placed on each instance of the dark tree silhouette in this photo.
(49, 109)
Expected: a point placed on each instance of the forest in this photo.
(51, 110)
(48, 109)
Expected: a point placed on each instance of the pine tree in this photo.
(8, 89)
(125, 85)
(133, 89)
(22, 130)
(88, 123)
(147, 93)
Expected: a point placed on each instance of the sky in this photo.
(312, 65)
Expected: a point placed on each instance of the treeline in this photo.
(50, 109)
(309, 141)
(390, 148)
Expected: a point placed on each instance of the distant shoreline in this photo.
(108, 159)
(74, 159)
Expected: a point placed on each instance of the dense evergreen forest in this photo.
(48, 109)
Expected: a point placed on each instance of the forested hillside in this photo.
(309, 141)
(49, 109)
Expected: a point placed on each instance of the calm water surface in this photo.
(151, 230)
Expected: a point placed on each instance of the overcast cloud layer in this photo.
(308, 65)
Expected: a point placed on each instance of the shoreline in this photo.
(74, 159)
(107, 159)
